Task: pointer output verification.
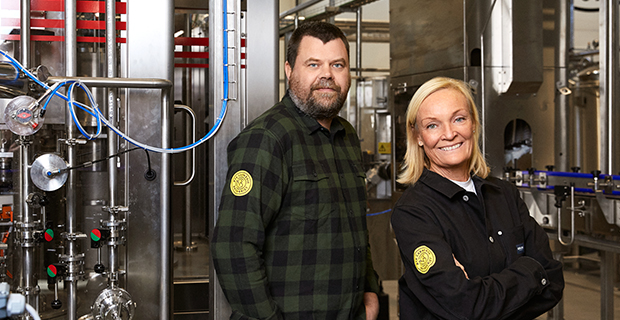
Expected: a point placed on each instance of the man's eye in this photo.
(313, 65)
(338, 65)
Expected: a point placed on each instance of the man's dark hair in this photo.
(323, 31)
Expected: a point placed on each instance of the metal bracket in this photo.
(608, 207)
(562, 88)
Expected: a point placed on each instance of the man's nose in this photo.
(326, 72)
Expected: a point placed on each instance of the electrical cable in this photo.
(101, 118)
(90, 163)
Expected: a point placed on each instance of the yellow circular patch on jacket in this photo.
(424, 259)
(241, 183)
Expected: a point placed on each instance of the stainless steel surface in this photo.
(262, 78)
(24, 28)
(191, 165)
(111, 112)
(20, 117)
(609, 64)
(150, 265)
(190, 170)
(564, 22)
(43, 172)
(71, 197)
(8, 72)
(426, 43)
(114, 304)
(218, 305)
(607, 284)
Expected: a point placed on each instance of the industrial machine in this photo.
(546, 108)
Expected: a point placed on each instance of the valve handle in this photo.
(99, 268)
(56, 304)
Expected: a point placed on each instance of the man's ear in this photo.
(287, 70)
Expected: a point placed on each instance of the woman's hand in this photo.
(458, 264)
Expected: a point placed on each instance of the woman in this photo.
(469, 246)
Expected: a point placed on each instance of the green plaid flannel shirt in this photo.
(293, 243)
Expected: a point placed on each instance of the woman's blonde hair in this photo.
(415, 159)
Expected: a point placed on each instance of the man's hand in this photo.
(371, 301)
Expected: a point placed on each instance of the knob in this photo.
(99, 268)
(56, 304)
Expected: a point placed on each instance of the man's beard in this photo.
(322, 105)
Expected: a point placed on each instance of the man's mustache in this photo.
(325, 84)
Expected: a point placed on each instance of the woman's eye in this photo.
(431, 126)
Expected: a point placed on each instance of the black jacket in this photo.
(506, 254)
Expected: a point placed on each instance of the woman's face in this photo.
(445, 130)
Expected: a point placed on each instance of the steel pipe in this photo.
(71, 184)
(299, 8)
(8, 72)
(135, 83)
(564, 23)
(609, 56)
(111, 65)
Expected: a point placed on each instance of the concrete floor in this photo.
(581, 297)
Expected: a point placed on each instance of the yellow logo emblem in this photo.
(424, 259)
(241, 183)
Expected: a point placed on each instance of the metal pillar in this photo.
(111, 66)
(564, 27)
(607, 285)
(72, 257)
(608, 65)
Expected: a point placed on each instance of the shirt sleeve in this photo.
(250, 201)
(372, 279)
(431, 273)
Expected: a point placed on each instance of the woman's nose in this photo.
(449, 132)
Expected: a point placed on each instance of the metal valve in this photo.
(54, 272)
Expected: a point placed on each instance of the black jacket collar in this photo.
(448, 188)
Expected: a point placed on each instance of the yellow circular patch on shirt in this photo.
(241, 183)
(424, 259)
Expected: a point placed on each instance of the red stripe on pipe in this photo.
(98, 6)
(195, 55)
(187, 41)
(60, 24)
(58, 5)
(191, 65)
(60, 38)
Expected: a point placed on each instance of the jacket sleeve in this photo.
(249, 202)
(537, 247)
(434, 279)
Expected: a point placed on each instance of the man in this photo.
(291, 239)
